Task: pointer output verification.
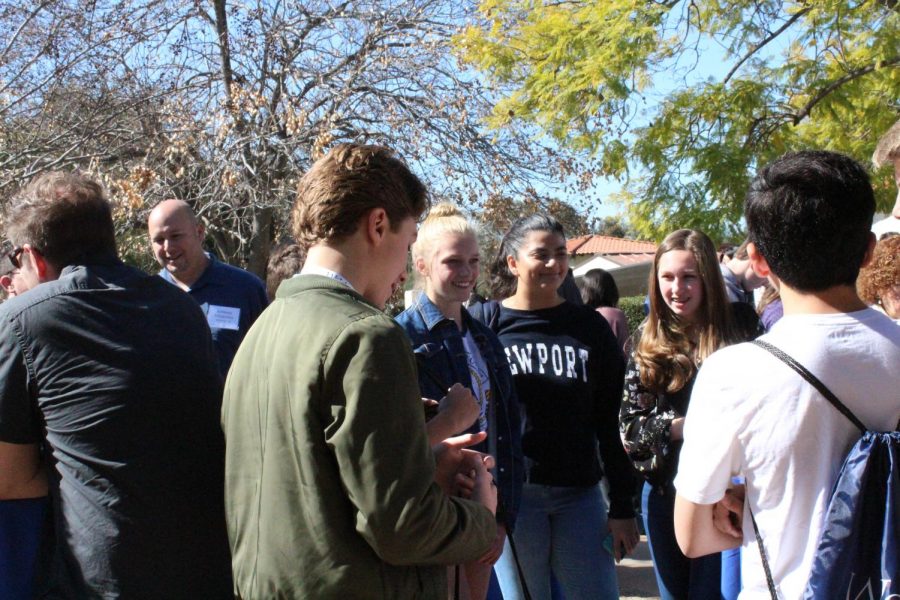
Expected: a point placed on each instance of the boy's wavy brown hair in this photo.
(348, 182)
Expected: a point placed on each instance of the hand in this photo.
(625, 536)
(465, 481)
(728, 513)
(464, 484)
(460, 406)
(493, 554)
(485, 491)
(676, 429)
(454, 413)
(451, 458)
(430, 407)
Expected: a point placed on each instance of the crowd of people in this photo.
(198, 433)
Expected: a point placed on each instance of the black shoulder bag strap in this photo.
(813, 381)
(822, 389)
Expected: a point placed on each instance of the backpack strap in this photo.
(813, 381)
(494, 308)
(765, 557)
(822, 389)
(512, 546)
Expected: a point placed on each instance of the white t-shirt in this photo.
(752, 415)
(481, 380)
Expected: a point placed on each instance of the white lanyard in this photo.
(315, 270)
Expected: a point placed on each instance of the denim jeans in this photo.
(680, 577)
(731, 574)
(560, 528)
(21, 531)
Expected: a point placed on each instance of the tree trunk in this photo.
(260, 241)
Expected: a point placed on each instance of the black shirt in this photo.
(568, 372)
(114, 372)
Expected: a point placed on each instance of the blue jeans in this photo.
(21, 530)
(680, 577)
(560, 528)
(731, 573)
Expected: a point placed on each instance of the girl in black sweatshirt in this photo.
(568, 372)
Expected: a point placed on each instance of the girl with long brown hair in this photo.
(690, 318)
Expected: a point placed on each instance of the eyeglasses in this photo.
(14, 257)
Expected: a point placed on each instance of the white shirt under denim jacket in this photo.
(442, 361)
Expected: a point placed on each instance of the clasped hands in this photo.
(728, 513)
(463, 472)
(458, 470)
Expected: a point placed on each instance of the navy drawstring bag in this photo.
(858, 553)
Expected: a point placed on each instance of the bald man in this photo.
(231, 298)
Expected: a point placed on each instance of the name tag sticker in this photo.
(223, 317)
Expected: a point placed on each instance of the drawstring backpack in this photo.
(858, 553)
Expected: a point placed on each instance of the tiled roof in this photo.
(631, 259)
(607, 245)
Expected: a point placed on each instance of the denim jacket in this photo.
(441, 358)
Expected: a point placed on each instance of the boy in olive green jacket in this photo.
(331, 488)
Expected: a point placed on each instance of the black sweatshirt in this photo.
(569, 374)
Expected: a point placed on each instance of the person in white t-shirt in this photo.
(750, 416)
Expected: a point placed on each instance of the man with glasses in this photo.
(11, 280)
(21, 519)
(132, 460)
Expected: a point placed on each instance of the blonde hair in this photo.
(666, 354)
(442, 219)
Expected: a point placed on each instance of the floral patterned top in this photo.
(646, 417)
(644, 422)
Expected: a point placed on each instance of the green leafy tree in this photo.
(619, 79)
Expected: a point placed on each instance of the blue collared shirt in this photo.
(733, 288)
(231, 299)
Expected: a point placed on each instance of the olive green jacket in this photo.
(329, 486)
